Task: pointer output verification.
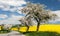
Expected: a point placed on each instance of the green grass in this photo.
(41, 33)
(4, 31)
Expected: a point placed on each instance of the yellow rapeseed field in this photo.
(50, 27)
(15, 29)
(0, 27)
(43, 27)
(23, 29)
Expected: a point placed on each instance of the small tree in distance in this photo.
(37, 13)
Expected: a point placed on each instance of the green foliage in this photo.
(4, 31)
(18, 25)
(41, 33)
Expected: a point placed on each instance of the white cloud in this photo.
(14, 17)
(13, 2)
(12, 20)
(6, 5)
(9, 22)
(3, 16)
(58, 14)
(58, 18)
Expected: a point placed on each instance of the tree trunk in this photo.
(27, 28)
(18, 27)
(38, 26)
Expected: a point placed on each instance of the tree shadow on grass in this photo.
(41, 33)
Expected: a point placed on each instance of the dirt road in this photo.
(13, 33)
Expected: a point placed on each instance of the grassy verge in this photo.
(41, 33)
(4, 31)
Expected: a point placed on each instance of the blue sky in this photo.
(10, 14)
(51, 4)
